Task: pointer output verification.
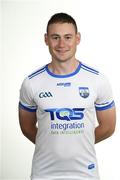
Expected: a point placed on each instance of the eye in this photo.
(55, 37)
(68, 37)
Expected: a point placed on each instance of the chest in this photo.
(68, 94)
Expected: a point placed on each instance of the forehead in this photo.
(61, 28)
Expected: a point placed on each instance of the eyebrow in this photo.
(52, 35)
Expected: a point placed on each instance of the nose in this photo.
(61, 42)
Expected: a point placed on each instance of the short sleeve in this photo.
(26, 100)
(104, 98)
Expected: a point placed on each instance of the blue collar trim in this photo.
(63, 76)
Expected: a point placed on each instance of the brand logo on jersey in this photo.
(45, 94)
(64, 84)
(91, 166)
(66, 114)
(84, 92)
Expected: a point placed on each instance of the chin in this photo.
(62, 60)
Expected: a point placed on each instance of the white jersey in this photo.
(65, 106)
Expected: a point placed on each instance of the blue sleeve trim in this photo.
(106, 107)
(26, 108)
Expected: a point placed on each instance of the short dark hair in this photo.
(62, 18)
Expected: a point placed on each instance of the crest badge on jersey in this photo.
(84, 92)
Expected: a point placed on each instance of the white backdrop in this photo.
(23, 50)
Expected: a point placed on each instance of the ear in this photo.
(78, 38)
(46, 38)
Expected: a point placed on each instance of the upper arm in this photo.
(107, 118)
(27, 119)
(27, 106)
(105, 105)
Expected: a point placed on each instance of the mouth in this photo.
(62, 51)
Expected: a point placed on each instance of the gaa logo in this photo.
(45, 94)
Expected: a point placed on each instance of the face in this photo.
(62, 41)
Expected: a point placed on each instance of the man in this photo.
(64, 97)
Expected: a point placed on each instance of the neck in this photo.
(63, 68)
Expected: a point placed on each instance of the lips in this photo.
(62, 51)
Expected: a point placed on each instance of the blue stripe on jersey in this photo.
(36, 72)
(89, 69)
(105, 107)
(27, 108)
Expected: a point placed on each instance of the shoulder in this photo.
(33, 77)
(88, 69)
(94, 72)
(94, 76)
(37, 72)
